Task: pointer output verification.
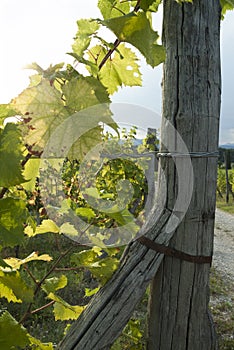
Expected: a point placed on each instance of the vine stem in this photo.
(117, 41)
(30, 274)
(39, 284)
(42, 307)
(109, 53)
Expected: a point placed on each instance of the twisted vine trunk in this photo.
(180, 290)
(178, 308)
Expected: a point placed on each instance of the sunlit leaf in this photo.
(83, 93)
(49, 73)
(38, 345)
(226, 5)
(121, 69)
(6, 111)
(31, 172)
(86, 28)
(80, 59)
(113, 8)
(101, 268)
(47, 226)
(13, 287)
(55, 283)
(11, 156)
(134, 28)
(44, 110)
(12, 334)
(85, 257)
(86, 212)
(64, 311)
(16, 263)
(91, 292)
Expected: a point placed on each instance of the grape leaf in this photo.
(52, 284)
(226, 5)
(64, 311)
(6, 111)
(13, 287)
(85, 212)
(121, 69)
(51, 73)
(80, 59)
(134, 28)
(35, 80)
(31, 172)
(86, 28)
(101, 268)
(91, 292)
(81, 132)
(84, 92)
(13, 215)
(38, 345)
(113, 8)
(45, 227)
(85, 257)
(15, 263)
(150, 5)
(11, 156)
(44, 110)
(12, 334)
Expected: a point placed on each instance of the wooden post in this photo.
(178, 310)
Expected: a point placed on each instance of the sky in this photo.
(42, 31)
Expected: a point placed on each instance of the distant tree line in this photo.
(226, 155)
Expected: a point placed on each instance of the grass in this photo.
(221, 306)
(227, 207)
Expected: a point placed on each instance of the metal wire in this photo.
(189, 154)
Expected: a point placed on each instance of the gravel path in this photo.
(223, 259)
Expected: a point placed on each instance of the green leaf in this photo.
(52, 284)
(45, 227)
(80, 59)
(11, 156)
(35, 80)
(64, 311)
(226, 5)
(86, 28)
(44, 110)
(13, 287)
(101, 268)
(121, 69)
(86, 212)
(84, 92)
(6, 111)
(15, 263)
(12, 334)
(49, 73)
(85, 257)
(150, 5)
(113, 8)
(104, 268)
(31, 173)
(13, 215)
(38, 345)
(91, 292)
(136, 30)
